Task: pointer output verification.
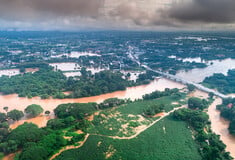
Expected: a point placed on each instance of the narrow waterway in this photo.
(220, 126)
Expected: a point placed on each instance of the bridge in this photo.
(178, 79)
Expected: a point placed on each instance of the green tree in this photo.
(232, 127)
(1, 155)
(196, 103)
(6, 108)
(15, 115)
(191, 87)
(34, 153)
(211, 95)
(3, 117)
(22, 70)
(47, 112)
(56, 124)
(33, 110)
(27, 132)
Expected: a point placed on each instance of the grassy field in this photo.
(138, 107)
(166, 140)
(125, 120)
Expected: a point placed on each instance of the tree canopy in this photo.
(197, 103)
(15, 114)
(33, 110)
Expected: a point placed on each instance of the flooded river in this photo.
(20, 103)
(199, 74)
(220, 126)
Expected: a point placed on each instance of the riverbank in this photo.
(218, 124)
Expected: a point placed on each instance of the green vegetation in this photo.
(159, 142)
(138, 107)
(224, 84)
(146, 78)
(43, 83)
(227, 109)
(46, 83)
(114, 123)
(119, 121)
(33, 110)
(15, 115)
(77, 110)
(210, 145)
(111, 102)
(44, 148)
(159, 94)
(191, 87)
(232, 127)
(197, 103)
(118, 118)
(17, 138)
(41, 143)
(153, 110)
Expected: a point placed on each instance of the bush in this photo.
(33, 110)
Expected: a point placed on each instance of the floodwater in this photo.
(220, 126)
(20, 103)
(71, 69)
(13, 72)
(41, 121)
(199, 74)
(66, 66)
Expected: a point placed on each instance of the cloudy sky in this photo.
(117, 14)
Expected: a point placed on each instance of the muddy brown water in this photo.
(20, 103)
(218, 124)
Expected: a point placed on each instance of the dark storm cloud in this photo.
(121, 13)
(139, 16)
(206, 11)
(42, 9)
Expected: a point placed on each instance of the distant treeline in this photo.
(47, 83)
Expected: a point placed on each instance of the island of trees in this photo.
(224, 84)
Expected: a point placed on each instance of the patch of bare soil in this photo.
(70, 147)
(99, 143)
(79, 132)
(174, 103)
(110, 152)
(159, 115)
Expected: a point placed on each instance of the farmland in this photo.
(160, 142)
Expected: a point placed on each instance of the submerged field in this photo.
(159, 142)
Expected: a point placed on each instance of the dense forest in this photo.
(224, 84)
(46, 82)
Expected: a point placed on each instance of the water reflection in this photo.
(199, 74)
